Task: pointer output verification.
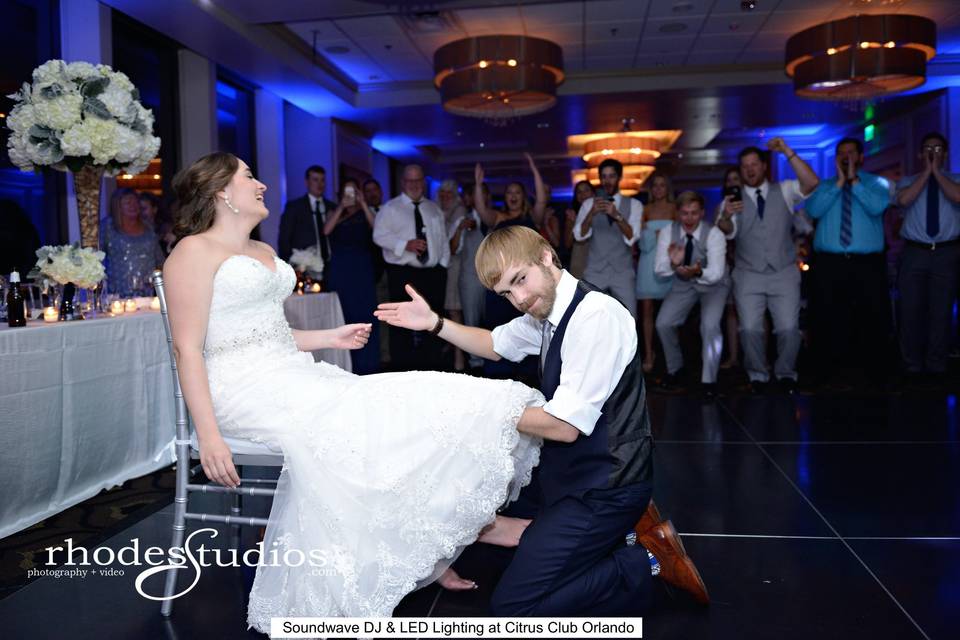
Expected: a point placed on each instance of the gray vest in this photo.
(679, 237)
(608, 251)
(765, 245)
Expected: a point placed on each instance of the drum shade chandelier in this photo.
(637, 151)
(861, 57)
(498, 77)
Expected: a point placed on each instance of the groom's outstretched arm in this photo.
(416, 315)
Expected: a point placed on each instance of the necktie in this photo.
(761, 204)
(688, 251)
(546, 334)
(933, 207)
(846, 219)
(324, 240)
(421, 232)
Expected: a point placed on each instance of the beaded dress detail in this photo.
(386, 477)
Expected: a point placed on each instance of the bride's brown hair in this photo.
(196, 190)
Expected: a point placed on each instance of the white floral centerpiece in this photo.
(69, 263)
(82, 118)
(307, 260)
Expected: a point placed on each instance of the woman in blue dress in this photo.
(351, 269)
(131, 246)
(516, 211)
(659, 213)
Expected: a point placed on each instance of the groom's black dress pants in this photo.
(410, 350)
(572, 560)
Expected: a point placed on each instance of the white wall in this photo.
(307, 140)
(84, 36)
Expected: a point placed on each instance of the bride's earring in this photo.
(230, 206)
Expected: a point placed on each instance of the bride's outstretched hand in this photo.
(351, 336)
(415, 314)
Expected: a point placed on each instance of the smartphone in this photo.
(734, 193)
(349, 194)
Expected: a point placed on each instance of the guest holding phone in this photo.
(732, 192)
(652, 288)
(349, 229)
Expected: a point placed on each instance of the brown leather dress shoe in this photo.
(649, 519)
(676, 567)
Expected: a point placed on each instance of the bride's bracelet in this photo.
(437, 328)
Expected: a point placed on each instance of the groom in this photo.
(596, 467)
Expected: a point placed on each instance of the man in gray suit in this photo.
(301, 225)
(611, 223)
(765, 275)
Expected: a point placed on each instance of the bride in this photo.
(386, 477)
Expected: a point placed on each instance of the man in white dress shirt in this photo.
(695, 252)
(412, 232)
(595, 476)
(765, 273)
(611, 223)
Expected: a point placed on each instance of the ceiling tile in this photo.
(378, 46)
(685, 26)
(704, 57)
(559, 33)
(650, 46)
(771, 40)
(325, 30)
(611, 63)
(679, 8)
(552, 13)
(794, 21)
(728, 42)
(755, 56)
(609, 10)
(659, 59)
(381, 26)
(491, 20)
(732, 23)
(622, 30)
(611, 48)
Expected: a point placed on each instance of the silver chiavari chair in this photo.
(245, 453)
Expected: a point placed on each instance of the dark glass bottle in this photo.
(16, 316)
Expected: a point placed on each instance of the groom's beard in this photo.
(544, 298)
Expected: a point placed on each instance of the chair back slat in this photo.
(181, 406)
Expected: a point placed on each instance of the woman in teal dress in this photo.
(660, 212)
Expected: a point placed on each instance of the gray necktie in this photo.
(546, 334)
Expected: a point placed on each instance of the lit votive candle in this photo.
(155, 303)
(130, 305)
(315, 288)
(116, 307)
(50, 314)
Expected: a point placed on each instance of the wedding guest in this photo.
(130, 244)
(693, 251)
(731, 326)
(448, 197)
(466, 239)
(516, 212)
(766, 277)
(850, 307)
(411, 232)
(303, 219)
(611, 223)
(373, 195)
(549, 226)
(349, 228)
(660, 213)
(577, 249)
(19, 239)
(930, 267)
(159, 218)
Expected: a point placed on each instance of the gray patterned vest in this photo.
(678, 236)
(608, 251)
(767, 244)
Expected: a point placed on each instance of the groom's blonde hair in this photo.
(507, 247)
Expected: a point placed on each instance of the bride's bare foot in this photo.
(504, 532)
(451, 581)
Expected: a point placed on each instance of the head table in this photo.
(85, 406)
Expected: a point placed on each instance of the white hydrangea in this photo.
(80, 70)
(54, 101)
(59, 113)
(75, 142)
(49, 72)
(69, 263)
(21, 118)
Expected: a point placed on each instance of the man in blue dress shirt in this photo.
(930, 265)
(850, 302)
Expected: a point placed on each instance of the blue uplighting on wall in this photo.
(396, 145)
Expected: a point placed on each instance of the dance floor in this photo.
(808, 516)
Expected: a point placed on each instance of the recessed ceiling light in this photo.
(682, 7)
(543, 125)
(337, 49)
(672, 27)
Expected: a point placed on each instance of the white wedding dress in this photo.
(386, 477)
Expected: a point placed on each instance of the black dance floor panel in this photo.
(808, 517)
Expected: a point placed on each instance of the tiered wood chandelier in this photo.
(498, 77)
(861, 57)
(637, 151)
